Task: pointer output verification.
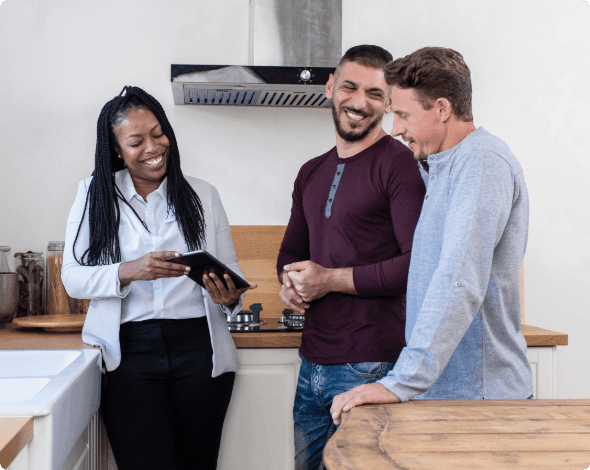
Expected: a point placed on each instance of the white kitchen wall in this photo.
(60, 61)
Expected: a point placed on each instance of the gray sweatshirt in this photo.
(463, 302)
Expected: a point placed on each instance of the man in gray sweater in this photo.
(463, 301)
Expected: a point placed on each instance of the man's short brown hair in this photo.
(434, 72)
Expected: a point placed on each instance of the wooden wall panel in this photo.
(257, 247)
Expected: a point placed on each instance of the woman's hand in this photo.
(218, 292)
(151, 266)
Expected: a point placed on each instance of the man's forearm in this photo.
(341, 280)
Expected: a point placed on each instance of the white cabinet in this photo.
(86, 452)
(258, 429)
(542, 361)
(84, 455)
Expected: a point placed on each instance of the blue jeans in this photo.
(316, 388)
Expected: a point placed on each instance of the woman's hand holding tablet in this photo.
(223, 285)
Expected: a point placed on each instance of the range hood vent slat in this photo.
(274, 86)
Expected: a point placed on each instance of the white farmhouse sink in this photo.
(60, 389)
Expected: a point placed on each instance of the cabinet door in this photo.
(541, 360)
(78, 458)
(258, 429)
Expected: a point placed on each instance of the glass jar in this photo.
(8, 288)
(30, 270)
(57, 300)
(4, 268)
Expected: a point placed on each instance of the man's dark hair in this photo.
(366, 55)
(434, 72)
(102, 200)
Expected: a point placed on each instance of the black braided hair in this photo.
(103, 194)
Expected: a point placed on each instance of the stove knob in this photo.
(305, 75)
(256, 309)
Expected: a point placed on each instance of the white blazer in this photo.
(101, 283)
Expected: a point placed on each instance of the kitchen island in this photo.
(463, 434)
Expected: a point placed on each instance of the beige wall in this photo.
(61, 60)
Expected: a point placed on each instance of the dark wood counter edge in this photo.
(15, 434)
(12, 337)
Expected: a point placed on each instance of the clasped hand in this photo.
(303, 282)
(154, 266)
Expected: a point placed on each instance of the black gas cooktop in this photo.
(250, 321)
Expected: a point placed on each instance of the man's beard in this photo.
(420, 156)
(353, 136)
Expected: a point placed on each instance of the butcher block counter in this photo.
(463, 434)
(12, 337)
(15, 434)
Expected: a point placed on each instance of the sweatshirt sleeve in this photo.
(481, 191)
(406, 192)
(86, 282)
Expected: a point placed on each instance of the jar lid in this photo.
(55, 245)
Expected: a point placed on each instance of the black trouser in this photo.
(161, 408)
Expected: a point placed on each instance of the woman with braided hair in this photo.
(169, 359)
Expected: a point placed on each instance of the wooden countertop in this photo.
(15, 434)
(463, 434)
(12, 337)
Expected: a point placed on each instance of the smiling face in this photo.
(423, 129)
(144, 147)
(360, 98)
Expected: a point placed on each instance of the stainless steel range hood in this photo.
(294, 47)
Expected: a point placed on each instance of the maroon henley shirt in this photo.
(374, 208)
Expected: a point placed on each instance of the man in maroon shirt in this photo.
(345, 256)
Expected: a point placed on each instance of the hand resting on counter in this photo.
(374, 393)
(154, 266)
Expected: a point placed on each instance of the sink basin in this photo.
(35, 363)
(15, 390)
(60, 389)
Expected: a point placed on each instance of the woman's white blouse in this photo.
(170, 298)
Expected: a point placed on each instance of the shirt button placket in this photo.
(332, 194)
